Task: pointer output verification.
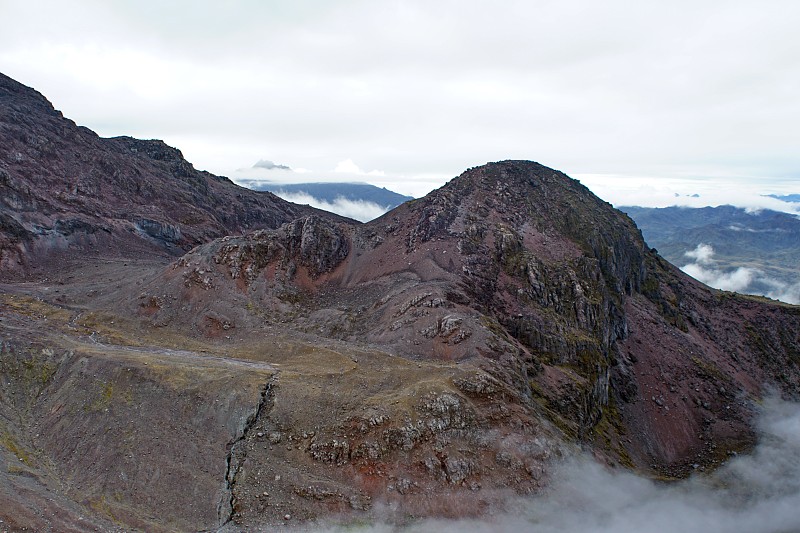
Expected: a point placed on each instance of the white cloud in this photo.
(698, 191)
(689, 89)
(349, 167)
(736, 280)
(741, 279)
(786, 292)
(356, 209)
(703, 254)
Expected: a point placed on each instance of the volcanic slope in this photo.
(429, 363)
(521, 274)
(66, 192)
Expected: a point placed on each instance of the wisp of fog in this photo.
(360, 210)
(754, 493)
(740, 279)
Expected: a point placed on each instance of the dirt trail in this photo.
(184, 355)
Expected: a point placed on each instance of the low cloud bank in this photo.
(742, 279)
(663, 191)
(356, 209)
(754, 493)
(785, 292)
(736, 280)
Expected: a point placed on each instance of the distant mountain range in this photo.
(756, 252)
(361, 201)
(787, 197)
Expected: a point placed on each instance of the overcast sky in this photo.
(638, 99)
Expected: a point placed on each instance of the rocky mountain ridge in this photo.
(64, 191)
(432, 362)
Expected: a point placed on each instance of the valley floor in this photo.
(110, 422)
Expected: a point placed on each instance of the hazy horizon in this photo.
(637, 101)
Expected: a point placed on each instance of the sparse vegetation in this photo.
(102, 398)
(8, 442)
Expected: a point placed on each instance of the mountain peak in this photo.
(510, 173)
(528, 201)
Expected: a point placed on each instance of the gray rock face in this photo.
(113, 422)
(317, 243)
(313, 243)
(160, 231)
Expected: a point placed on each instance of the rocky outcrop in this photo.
(313, 244)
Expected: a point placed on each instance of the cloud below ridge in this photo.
(741, 279)
(356, 209)
(757, 492)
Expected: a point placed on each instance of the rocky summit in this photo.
(182, 354)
